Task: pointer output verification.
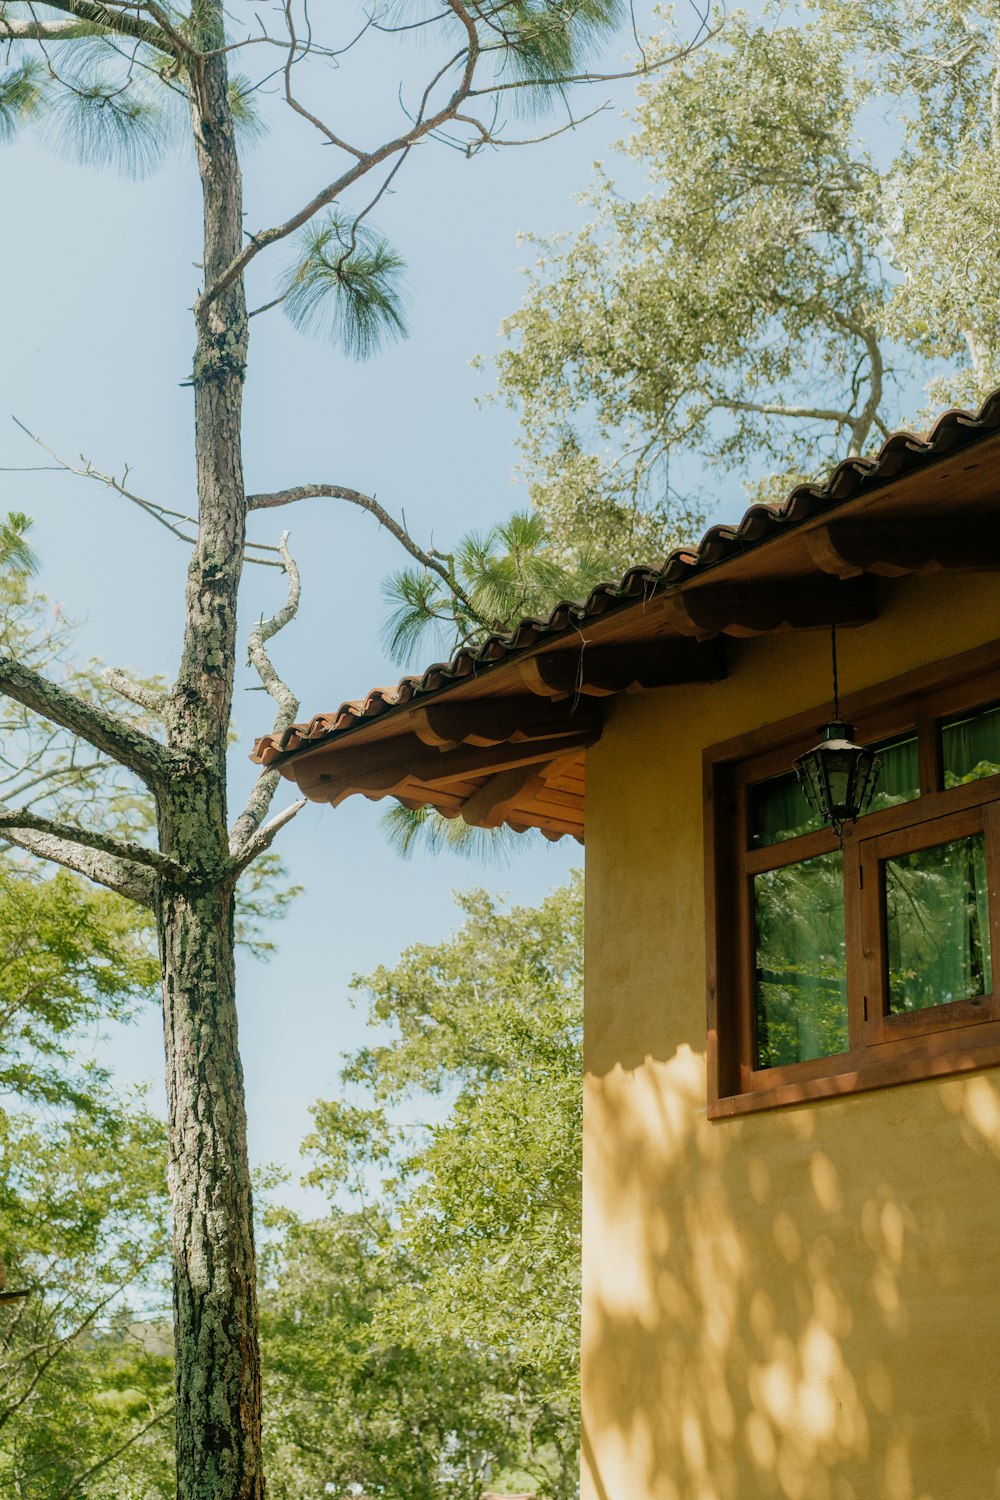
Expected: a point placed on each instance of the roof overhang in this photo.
(499, 733)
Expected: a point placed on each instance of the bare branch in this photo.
(126, 879)
(295, 51)
(265, 836)
(129, 746)
(19, 818)
(774, 409)
(172, 520)
(421, 128)
(487, 138)
(109, 17)
(287, 704)
(41, 31)
(143, 697)
(428, 560)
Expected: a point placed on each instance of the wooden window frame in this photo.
(883, 1050)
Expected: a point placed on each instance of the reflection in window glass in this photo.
(801, 991)
(970, 747)
(937, 921)
(779, 810)
(899, 773)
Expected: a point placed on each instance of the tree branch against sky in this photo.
(117, 83)
(819, 226)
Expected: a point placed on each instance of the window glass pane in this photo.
(801, 994)
(899, 773)
(937, 921)
(970, 747)
(779, 810)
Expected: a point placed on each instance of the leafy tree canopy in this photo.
(791, 256)
(452, 1303)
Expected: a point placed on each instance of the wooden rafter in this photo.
(493, 803)
(331, 774)
(890, 549)
(599, 671)
(495, 721)
(760, 608)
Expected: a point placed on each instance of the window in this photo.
(832, 969)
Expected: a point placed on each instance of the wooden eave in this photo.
(500, 736)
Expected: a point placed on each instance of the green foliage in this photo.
(104, 113)
(85, 1369)
(21, 93)
(248, 120)
(41, 765)
(501, 575)
(70, 957)
(452, 1304)
(751, 307)
(16, 556)
(263, 896)
(346, 285)
(408, 829)
(354, 1408)
(543, 41)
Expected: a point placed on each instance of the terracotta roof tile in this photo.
(901, 452)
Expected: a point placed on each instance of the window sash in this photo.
(882, 1049)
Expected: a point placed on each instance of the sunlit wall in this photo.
(803, 1303)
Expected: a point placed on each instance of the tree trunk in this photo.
(215, 1302)
(215, 1307)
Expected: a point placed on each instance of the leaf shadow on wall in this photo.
(800, 1304)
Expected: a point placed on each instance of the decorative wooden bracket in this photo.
(893, 548)
(496, 721)
(598, 671)
(378, 770)
(760, 608)
(493, 803)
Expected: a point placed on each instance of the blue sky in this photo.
(99, 274)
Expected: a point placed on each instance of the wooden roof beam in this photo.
(494, 802)
(761, 608)
(379, 769)
(891, 549)
(495, 721)
(598, 671)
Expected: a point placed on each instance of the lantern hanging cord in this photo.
(833, 651)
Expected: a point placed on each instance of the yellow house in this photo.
(792, 1095)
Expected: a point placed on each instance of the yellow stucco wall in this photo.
(803, 1303)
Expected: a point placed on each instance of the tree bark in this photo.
(215, 1306)
(215, 1309)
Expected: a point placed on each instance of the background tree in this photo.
(86, 1384)
(115, 79)
(421, 1341)
(791, 257)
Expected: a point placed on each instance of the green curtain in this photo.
(971, 748)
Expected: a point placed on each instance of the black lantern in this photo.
(838, 777)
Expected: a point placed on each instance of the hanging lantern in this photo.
(838, 777)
